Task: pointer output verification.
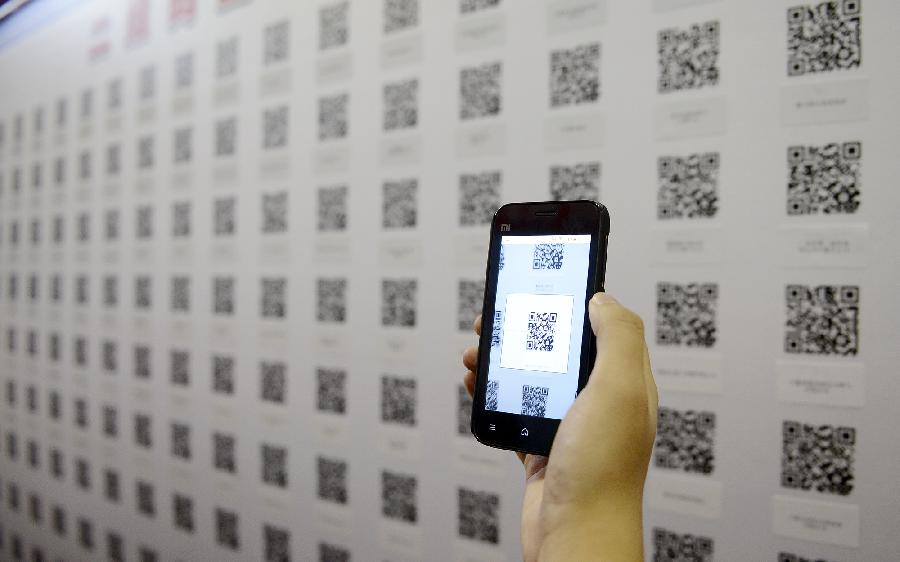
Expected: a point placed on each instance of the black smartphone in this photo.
(545, 261)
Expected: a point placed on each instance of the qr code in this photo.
(276, 42)
(274, 465)
(496, 328)
(332, 479)
(227, 57)
(110, 421)
(478, 515)
(480, 91)
(86, 534)
(331, 390)
(791, 557)
(688, 58)
(181, 441)
(181, 294)
(113, 161)
(183, 508)
(332, 208)
(548, 256)
(142, 362)
(575, 75)
(492, 395)
(110, 291)
(331, 300)
(181, 219)
(577, 182)
(146, 83)
(469, 6)
(226, 136)
(227, 533)
(277, 544)
(223, 452)
(685, 440)
(113, 99)
(686, 314)
(223, 374)
(401, 105)
(145, 152)
(143, 431)
(398, 400)
(541, 331)
(85, 165)
(824, 179)
(224, 216)
(333, 116)
(817, 457)
(112, 224)
(180, 367)
(274, 212)
(400, 15)
(115, 547)
(275, 127)
(822, 320)
(398, 302)
(479, 197)
(333, 553)
(273, 381)
(223, 295)
(824, 37)
(111, 485)
(688, 186)
(184, 71)
(110, 354)
(399, 496)
(669, 546)
(273, 303)
(59, 171)
(399, 207)
(534, 400)
(81, 352)
(463, 410)
(334, 25)
(469, 303)
(144, 222)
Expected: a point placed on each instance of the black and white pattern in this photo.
(497, 328)
(398, 302)
(534, 400)
(399, 496)
(398, 400)
(400, 15)
(274, 294)
(688, 186)
(224, 209)
(470, 299)
(275, 212)
(818, 457)
(226, 137)
(334, 25)
(227, 530)
(575, 182)
(143, 431)
(276, 42)
(686, 314)
(333, 117)
(223, 295)
(470, 6)
(181, 294)
(110, 421)
(400, 202)
(224, 452)
(273, 381)
(180, 361)
(401, 105)
(181, 219)
(223, 374)
(463, 410)
(276, 544)
(480, 91)
(492, 395)
(685, 440)
(575, 75)
(331, 300)
(274, 465)
(688, 57)
(548, 256)
(183, 512)
(478, 515)
(331, 390)
(332, 479)
(227, 57)
(144, 222)
(824, 179)
(541, 331)
(824, 37)
(181, 441)
(479, 197)
(669, 546)
(142, 362)
(331, 207)
(822, 320)
(275, 127)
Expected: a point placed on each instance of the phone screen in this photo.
(535, 356)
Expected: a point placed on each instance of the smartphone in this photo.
(545, 261)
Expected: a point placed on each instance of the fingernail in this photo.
(604, 298)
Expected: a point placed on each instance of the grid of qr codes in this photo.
(235, 270)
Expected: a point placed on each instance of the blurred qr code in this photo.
(145, 152)
(226, 137)
(398, 400)
(824, 179)
(398, 302)
(332, 479)
(469, 6)
(480, 91)
(331, 390)
(275, 127)
(223, 374)
(541, 331)
(332, 208)
(463, 410)
(333, 553)
(492, 394)
(478, 515)
(180, 367)
(181, 441)
(400, 15)
(686, 314)
(227, 57)
(333, 122)
(112, 224)
(276, 544)
(576, 182)
(273, 303)
(274, 212)
(146, 498)
(469, 302)
(399, 496)
(223, 216)
(534, 400)
(575, 75)
(817, 457)
(401, 104)
(113, 162)
(181, 218)
(223, 452)
(144, 222)
(331, 299)
(223, 295)
(334, 25)
(496, 328)
(274, 465)
(685, 440)
(143, 431)
(146, 85)
(227, 533)
(479, 197)
(688, 58)
(822, 320)
(181, 294)
(791, 557)
(669, 546)
(141, 362)
(400, 202)
(273, 381)
(184, 70)
(688, 186)
(547, 256)
(110, 290)
(824, 37)
(276, 42)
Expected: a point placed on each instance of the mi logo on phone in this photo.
(504, 228)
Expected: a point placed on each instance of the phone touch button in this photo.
(524, 432)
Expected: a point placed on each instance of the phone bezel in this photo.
(524, 219)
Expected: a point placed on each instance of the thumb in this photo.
(619, 367)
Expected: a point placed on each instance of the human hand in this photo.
(584, 501)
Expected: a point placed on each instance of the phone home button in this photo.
(524, 432)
